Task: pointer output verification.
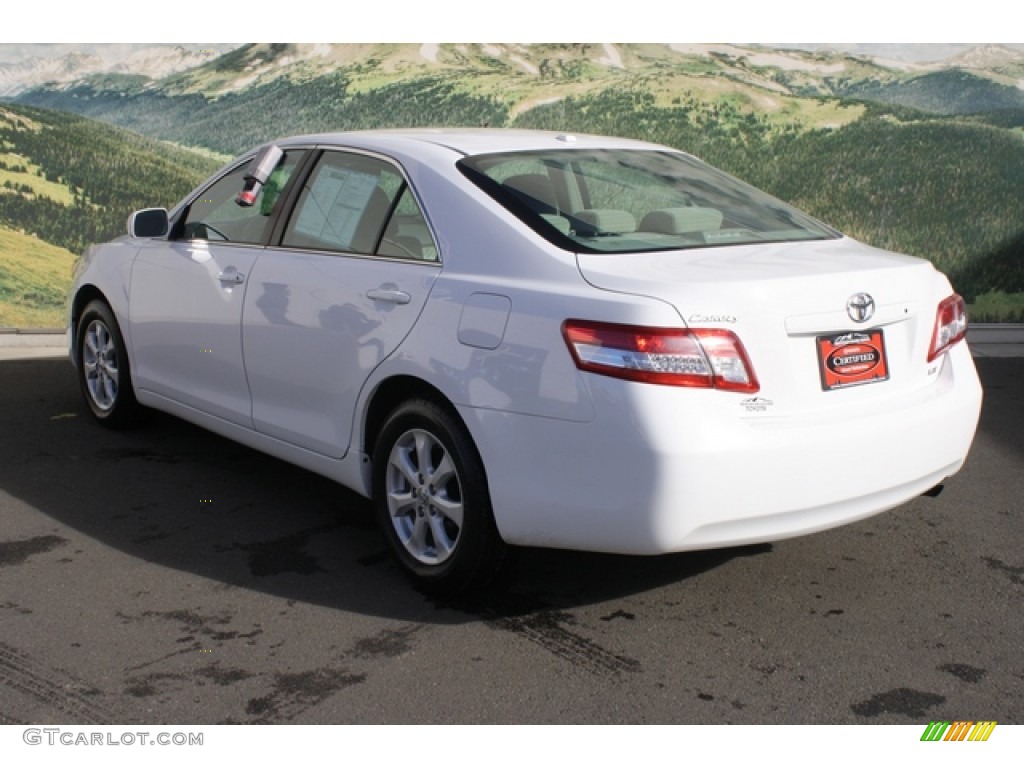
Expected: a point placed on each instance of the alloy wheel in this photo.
(424, 496)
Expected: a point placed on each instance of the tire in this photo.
(104, 373)
(432, 503)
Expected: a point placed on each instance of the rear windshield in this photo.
(620, 201)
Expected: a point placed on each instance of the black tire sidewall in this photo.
(125, 410)
(479, 551)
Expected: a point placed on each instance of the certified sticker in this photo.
(850, 359)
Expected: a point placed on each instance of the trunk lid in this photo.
(788, 304)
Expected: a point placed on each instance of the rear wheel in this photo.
(432, 502)
(104, 374)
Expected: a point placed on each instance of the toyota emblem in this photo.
(860, 307)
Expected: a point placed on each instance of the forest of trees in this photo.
(948, 92)
(237, 121)
(109, 171)
(946, 188)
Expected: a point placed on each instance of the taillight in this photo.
(950, 325)
(696, 357)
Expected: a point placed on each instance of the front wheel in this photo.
(432, 503)
(104, 375)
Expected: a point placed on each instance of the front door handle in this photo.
(390, 295)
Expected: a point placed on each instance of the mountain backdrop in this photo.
(927, 159)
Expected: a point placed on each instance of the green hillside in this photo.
(34, 278)
(948, 190)
(949, 92)
(259, 92)
(237, 121)
(72, 181)
(917, 174)
(67, 182)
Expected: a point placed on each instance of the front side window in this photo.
(214, 215)
(357, 204)
(620, 201)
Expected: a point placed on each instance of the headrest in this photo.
(605, 221)
(534, 189)
(680, 221)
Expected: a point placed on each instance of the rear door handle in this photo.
(232, 276)
(390, 295)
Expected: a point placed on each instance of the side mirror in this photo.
(149, 222)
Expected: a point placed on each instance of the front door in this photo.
(187, 295)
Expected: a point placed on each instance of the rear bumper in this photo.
(665, 470)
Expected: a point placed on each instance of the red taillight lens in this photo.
(697, 357)
(950, 325)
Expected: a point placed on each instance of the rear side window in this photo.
(357, 204)
(214, 215)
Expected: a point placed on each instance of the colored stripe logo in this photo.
(958, 730)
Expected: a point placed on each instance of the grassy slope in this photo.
(59, 193)
(393, 85)
(70, 182)
(949, 190)
(34, 277)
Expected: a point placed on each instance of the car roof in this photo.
(466, 141)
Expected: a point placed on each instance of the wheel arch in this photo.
(392, 392)
(85, 294)
(105, 381)
(479, 554)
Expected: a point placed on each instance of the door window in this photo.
(357, 204)
(215, 215)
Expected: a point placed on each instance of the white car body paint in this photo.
(573, 459)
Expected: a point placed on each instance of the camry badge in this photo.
(860, 307)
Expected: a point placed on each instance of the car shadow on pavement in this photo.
(1002, 413)
(174, 495)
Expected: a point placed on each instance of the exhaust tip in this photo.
(934, 491)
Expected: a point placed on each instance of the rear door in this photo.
(338, 294)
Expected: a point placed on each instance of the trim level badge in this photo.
(860, 307)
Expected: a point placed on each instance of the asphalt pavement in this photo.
(165, 575)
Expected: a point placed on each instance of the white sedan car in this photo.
(523, 338)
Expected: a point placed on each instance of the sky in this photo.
(911, 52)
(14, 52)
(915, 52)
(878, 21)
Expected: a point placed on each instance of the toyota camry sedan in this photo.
(509, 338)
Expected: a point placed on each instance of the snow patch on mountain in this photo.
(611, 57)
(156, 62)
